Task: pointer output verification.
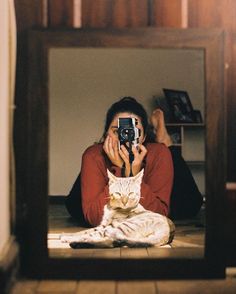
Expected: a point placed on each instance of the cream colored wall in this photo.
(4, 126)
(85, 82)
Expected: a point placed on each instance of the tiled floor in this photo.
(226, 286)
(188, 234)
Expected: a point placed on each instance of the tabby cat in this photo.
(125, 221)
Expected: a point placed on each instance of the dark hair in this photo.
(126, 104)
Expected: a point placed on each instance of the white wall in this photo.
(84, 82)
(6, 79)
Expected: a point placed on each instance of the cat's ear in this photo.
(111, 177)
(139, 176)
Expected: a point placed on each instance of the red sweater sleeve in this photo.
(158, 179)
(94, 184)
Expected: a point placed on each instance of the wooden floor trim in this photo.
(9, 265)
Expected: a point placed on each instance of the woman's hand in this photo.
(111, 149)
(138, 159)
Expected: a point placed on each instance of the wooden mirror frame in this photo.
(172, 263)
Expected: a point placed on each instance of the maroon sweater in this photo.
(155, 188)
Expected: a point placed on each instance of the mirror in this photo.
(190, 60)
(82, 84)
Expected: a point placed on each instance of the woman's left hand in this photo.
(110, 147)
(138, 159)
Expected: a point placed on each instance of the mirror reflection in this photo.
(83, 84)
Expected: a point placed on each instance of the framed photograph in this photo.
(198, 116)
(162, 103)
(180, 105)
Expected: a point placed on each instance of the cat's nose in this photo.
(125, 200)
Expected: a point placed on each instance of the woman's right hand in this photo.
(136, 165)
(111, 149)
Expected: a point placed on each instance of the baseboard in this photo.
(9, 265)
(57, 199)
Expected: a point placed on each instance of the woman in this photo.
(154, 158)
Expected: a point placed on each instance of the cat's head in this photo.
(124, 192)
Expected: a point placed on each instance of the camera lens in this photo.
(127, 134)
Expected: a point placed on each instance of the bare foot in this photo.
(158, 122)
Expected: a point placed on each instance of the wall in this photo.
(4, 127)
(8, 246)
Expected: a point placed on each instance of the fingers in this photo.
(120, 156)
(139, 154)
(143, 151)
(105, 145)
(135, 151)
(110, 147)
(115, 147)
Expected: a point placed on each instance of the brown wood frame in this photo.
(172, 263)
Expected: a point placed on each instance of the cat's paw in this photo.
(69, 238)
(66, 238)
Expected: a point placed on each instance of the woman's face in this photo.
(113, 129)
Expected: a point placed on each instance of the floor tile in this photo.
(96, 287)
(51, 286)
(227, 286)
(136, 287)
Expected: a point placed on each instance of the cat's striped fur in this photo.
(125, 221)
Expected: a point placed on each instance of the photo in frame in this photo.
(198, 116)
(162, 103)
(180, 106)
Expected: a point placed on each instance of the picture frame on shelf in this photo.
(198, 116)
(180, 106)
(162, 103)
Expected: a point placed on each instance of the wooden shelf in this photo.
(189, 138)
(185, 125)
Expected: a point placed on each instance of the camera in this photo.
(128, 132)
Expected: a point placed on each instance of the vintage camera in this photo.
(128, 132)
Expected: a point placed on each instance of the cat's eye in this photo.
(131, 194)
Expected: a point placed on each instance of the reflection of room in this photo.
(84, 83)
